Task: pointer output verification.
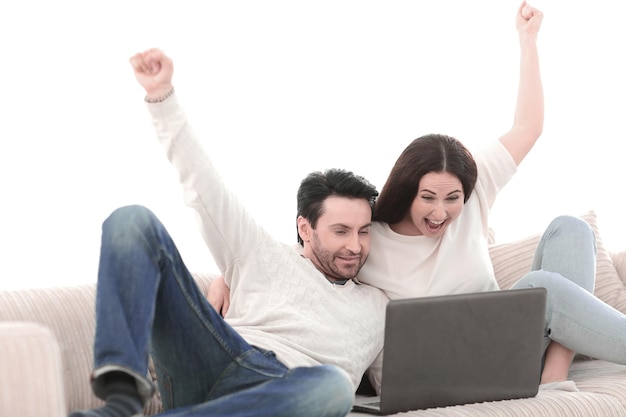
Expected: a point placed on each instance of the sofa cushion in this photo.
(512, 260)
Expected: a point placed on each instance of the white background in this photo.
(276, 89)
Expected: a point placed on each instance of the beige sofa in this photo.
(46, 340)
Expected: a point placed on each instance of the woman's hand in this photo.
(219, 295)
(528, 19)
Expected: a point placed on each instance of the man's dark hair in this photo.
(318, 186)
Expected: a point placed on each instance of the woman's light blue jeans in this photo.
(148, 304)
(565, 264)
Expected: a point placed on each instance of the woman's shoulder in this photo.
(494, 152)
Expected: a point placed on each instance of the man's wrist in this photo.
(158, 97)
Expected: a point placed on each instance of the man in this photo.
(299, 333)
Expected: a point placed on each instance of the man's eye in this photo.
(364, 232)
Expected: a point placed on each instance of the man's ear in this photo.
(304, 229)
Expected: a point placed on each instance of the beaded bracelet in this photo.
(159, 99)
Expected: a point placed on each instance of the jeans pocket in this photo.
(248, 370)
(263, 362)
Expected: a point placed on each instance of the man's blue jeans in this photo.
(148, 304)
(565, 264)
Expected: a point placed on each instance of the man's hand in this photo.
(154, 70)
(219, 295)
(528, 19)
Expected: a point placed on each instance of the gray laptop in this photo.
(460, 349)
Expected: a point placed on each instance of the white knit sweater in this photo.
(279, 300)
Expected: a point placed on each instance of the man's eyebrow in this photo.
(345, 226)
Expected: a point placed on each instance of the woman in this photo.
(433, 241)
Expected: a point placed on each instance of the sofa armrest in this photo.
(32, 375)
(619, 261)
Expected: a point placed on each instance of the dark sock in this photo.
(121, 398)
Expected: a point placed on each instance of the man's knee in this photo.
(123, 216)
(129, 222)
(128, 228)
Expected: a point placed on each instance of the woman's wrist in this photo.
(527, 38)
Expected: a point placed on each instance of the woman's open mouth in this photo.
(434, 226)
